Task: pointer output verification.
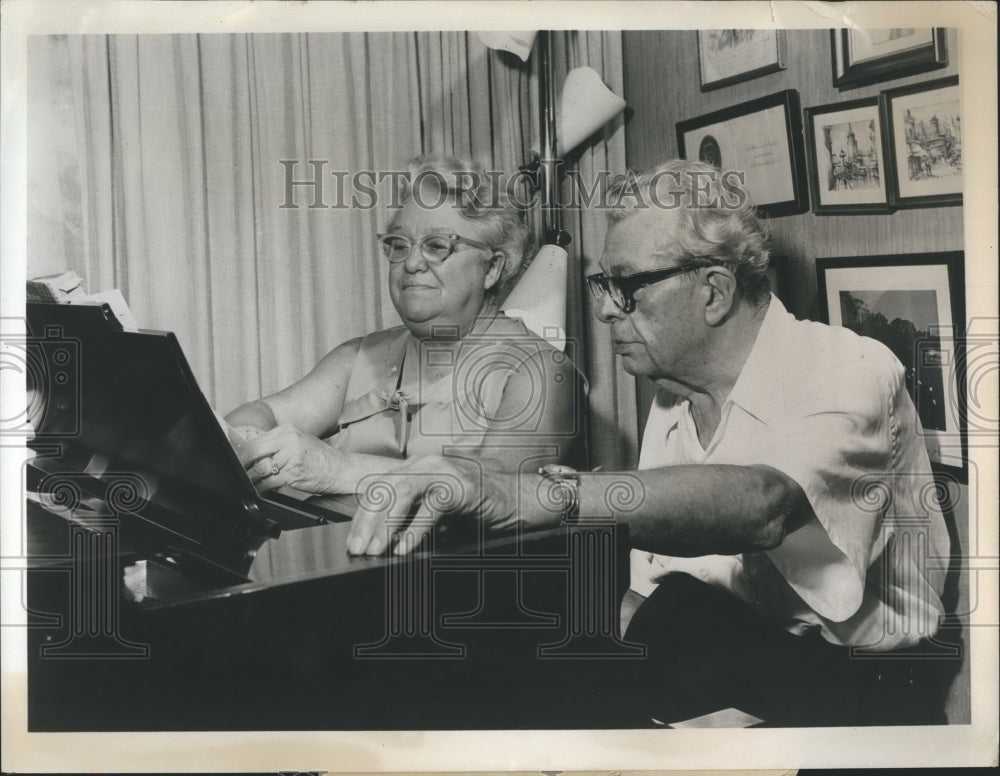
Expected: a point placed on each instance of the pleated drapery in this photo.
(159, 164)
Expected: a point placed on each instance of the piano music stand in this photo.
(128, 402)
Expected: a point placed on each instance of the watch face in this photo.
(557, 471)
(564, 494)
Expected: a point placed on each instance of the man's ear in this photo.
(722, 288)
(495, 271)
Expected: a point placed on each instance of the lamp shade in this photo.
(518, 43)
(539, 298)
(585, 106)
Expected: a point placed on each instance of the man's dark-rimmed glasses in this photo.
(621, 288)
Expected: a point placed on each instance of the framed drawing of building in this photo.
(847, 158)
(924, 131)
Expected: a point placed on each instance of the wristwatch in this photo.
(567, 485)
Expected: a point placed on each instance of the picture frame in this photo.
(923, 130)
(867, 56)
(761, 139)
(915, 305)
(729, 56)
(847, 158)
(778, 269)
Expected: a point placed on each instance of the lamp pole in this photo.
(552, 231)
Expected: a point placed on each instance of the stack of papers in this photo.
(64, 287)
(68, 287)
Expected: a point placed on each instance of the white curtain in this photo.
(157, 170)
(155, 166)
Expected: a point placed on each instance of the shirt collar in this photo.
(757, 389)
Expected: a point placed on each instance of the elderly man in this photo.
(792, 560)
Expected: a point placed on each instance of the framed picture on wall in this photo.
(762, 141)
(867, 56)
(847, 158)
(924, 131)
(915, 305)
(729, 56)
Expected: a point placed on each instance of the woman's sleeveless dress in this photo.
(384, 416)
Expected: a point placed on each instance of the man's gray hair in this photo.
(478, 197)
(715, 221)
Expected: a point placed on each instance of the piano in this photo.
(165, 594)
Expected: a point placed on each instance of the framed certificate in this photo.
(761, 140)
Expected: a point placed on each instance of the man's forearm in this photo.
(686, 510)
(676, 510)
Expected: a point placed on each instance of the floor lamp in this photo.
(583, 107)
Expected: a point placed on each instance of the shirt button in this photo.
(703, 574)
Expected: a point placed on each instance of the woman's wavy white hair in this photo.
(477, 196)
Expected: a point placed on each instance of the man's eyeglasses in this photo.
(622, 288)
(435, 248)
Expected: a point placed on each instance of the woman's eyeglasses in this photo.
(435, 248)
(622, 288)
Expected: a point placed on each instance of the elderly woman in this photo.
(457, 378)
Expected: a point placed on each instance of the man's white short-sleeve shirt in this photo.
(829, 409)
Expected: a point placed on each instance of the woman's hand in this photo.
(427, 488)
(287, 456)
(239, 436)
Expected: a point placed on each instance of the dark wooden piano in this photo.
(164, 594)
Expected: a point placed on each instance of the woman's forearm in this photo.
(256, 413)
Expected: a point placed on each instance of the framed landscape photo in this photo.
(915, 305)
(868, 56)
(762, 140)
(728, 56)
(847, 158)
(924, 132)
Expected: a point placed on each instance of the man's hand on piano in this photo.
(287, 456)
(423, 490)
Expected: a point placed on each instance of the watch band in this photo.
(567, 484)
